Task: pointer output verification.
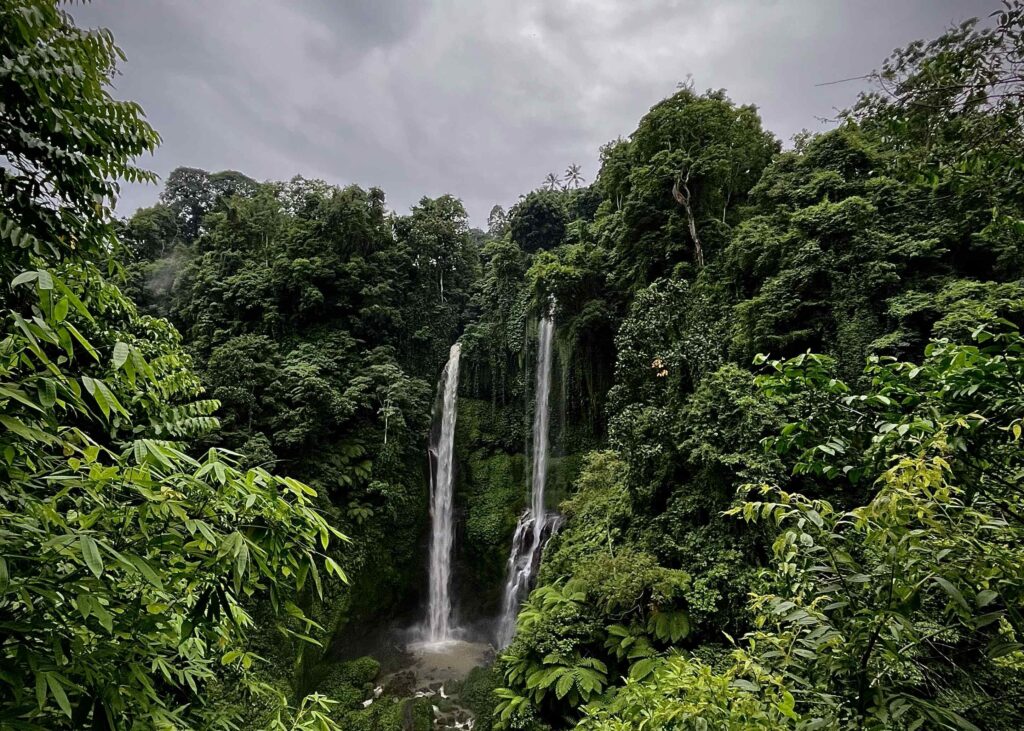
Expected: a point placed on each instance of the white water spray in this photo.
(529, 538)
(442, 524)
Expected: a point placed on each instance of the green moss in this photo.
(562, 473)
(347, 682)
(477, 694)
(492, 489)
(389, 714)
(494, 497)
(378, 717)
(360, 671)
(482, 425)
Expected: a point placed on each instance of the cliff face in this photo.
(493, 455)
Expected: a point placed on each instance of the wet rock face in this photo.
(450, 715)
(402, 684)
(430, 681)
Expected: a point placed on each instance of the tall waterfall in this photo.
(534, 525)
(442, 525)
(541, 416)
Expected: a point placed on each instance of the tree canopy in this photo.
(785, 418)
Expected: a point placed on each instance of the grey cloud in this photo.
(356, 26)
(479, 99)
(371, 20)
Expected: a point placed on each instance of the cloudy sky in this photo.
(479, 98)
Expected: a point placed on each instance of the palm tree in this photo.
(551, 182)
(573, 176)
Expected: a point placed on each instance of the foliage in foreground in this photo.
(899, 614)
(127, 566)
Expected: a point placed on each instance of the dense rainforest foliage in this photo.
(786, 423)
(130, 560)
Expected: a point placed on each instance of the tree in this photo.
(902, 612)
(192, 193)
(497, 222)
(573, 176)
(151, 232)
(883, 556)
(445, 263)
(49, 197)
(931, 562)
(126, 565)
(815, 268)
(539, 220)
(949, 111)
(319, 319)
(552, 182)
(679, 180)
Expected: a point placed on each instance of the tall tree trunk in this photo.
(681, 192)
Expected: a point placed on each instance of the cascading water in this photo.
(520, 572)
(535, 525)
(439, 616)
(541, 416)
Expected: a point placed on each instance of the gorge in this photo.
(728, 437)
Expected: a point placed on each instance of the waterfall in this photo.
(535, 525)
(442, 525)
(541, 416)
(520, 571)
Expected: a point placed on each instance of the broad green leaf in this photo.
(24, 431)
(91, 554)
(24, 278)
(985, 598)
(60, 310)
(147, 571)
(121, 353)
(241, 564)
(13, 392)
(47, 392)
(335, 569)
(952, 591)
(642, 668)
(316, 576)
(52, 680)
(564, 685)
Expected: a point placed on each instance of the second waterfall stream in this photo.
(534, 525)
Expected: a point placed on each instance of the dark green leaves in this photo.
(108, 551)
(67, 130)
(53, 682)
(670, 625)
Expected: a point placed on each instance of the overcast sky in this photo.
(479, 98)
